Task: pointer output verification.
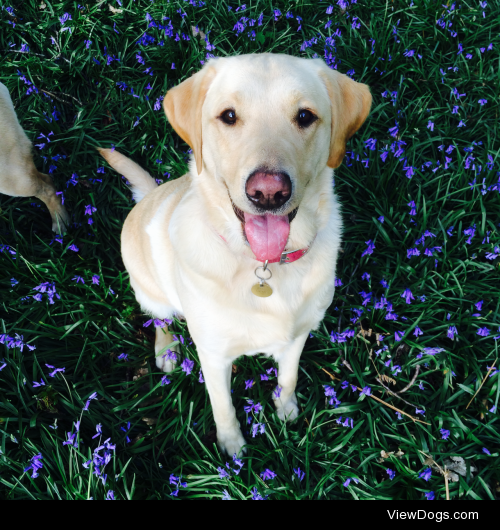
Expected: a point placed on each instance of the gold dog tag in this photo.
(262, 290)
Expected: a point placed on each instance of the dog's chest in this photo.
(235, 321)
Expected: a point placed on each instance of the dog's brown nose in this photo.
(268, 190)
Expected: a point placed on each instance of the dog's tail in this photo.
(142, 182)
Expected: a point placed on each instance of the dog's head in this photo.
(265, 126)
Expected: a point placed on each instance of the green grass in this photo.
(85, 330)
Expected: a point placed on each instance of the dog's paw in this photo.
(164, 364)
(231, 442)
(289, 410)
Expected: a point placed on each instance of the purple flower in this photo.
(452, 331)
(258, 427)
(35, 465)
(366, 390)
(300, 474)
(249, 384)
(267, 474)
(444, 434)
(391, 473)
(346, 483)
(486, 451)
(366, 277)
(123, 357)
(408, 296)
(165, 381)
(36, 385)
(419, 411)
(381, 218)
(338, 282)
(370, 248)
(272, 369)
(91, 397)
(398, 414)
(429, 495)
(418, 332)
(200, 378)
(256, 496)
(433, 351)
(277, 392)
(187, 366)
(110, 496)
(483, 332)
(71, 440)
(98, 429)
(223, 473)
(226, 496)
(398, 335)
(426, 474)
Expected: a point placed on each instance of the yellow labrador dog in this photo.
(245, 245)
(18, 175)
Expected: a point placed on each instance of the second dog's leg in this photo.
(46, 192)
(163, 339)
(217, 375)
(288, 360)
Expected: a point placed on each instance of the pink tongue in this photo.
(267, 235)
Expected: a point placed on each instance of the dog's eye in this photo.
(305, 118)
(228, 117)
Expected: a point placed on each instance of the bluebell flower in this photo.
(369, 250)
(35, 465)
(486, 451)
(408, 296)
(429, 495)
(267, 474)
(256, 496)
(91, 397)
(187, 366)
(249, 384)
(391, 473)
(223, 473)
(426, 474)
(225, 496)
(98, 429)
(300, 474)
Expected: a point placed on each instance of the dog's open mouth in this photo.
(266, 234)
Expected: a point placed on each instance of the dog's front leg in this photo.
(217, 375)
(288, 361)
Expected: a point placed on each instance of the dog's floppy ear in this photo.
(350, 103)
(182, 105)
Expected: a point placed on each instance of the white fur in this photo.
(18, 174)
(179, 264)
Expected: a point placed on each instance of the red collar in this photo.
(290, 256)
